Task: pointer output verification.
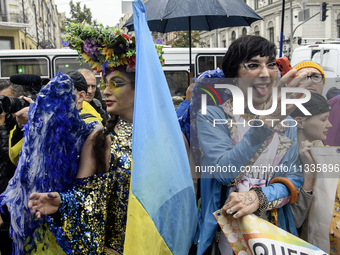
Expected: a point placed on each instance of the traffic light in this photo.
(299, 41)
(323, 11)
(20, 70)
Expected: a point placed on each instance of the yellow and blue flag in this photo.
(162, 205)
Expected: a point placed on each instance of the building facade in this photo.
(29, 24)
(301, 20)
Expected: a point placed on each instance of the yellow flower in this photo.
(108, 52)
(86, 57)
(122, 61)
(97, 66)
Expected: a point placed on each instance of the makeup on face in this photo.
(115, 84)
(119, 95)
(258, 73)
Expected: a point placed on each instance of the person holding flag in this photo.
(150, 208)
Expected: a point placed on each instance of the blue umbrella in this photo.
(183, 15)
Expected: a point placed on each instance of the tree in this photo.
(182, 39)
(78, 15)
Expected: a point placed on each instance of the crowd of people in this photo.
(245, 140)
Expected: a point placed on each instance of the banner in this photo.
(320, 213)
(253, 235)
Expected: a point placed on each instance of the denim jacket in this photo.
(218, 150)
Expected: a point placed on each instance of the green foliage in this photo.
(101, 46)
(104, 47)
(79, 15)
(182, 39)
(160, 53)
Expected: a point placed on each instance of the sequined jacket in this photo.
(92, 216)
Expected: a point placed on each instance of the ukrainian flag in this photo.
(162, 205)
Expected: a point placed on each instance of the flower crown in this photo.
(104, 47)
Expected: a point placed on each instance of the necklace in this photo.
(124, 132)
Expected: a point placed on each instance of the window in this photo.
(62, 64)
(3, 15)
(329, 60)
(244, 31)
(233, 36)
(271, 31)
(219, 60)
(338, 25)
(270, 2)
(34, 65)
(223, 42)
(209, 62)
(271, 34)
(256, 4)
(6, 43)
(178, 82)
(205, 63)
(257, 31)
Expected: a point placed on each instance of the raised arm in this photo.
(218, 148)
(87, 165)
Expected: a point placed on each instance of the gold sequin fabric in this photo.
(93, 213)
(121, 149)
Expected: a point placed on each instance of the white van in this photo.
(327, 56)
(48, 62)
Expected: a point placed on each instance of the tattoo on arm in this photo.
(247, 198)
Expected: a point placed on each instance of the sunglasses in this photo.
(112, 85)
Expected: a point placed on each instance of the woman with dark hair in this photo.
(243, 49)
(90, 217)
(244, 149)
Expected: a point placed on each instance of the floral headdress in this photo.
(104, 47)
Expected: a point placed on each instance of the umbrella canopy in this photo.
(185, 15)
(173, 15)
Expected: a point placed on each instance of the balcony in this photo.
(14, 22)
